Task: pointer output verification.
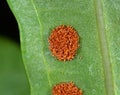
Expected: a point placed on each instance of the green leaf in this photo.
(13, 80)
(95, 69)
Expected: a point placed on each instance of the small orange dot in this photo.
(66, 89)
(63, 42)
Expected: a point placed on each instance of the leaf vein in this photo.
(104, 48)
(42, 51)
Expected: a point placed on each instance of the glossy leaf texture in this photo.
(95, 68)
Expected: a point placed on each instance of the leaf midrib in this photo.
(104, 48)
(42, 51)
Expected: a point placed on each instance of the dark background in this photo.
(8, 23)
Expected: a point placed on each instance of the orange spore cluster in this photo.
(64, 42)
(66, 89)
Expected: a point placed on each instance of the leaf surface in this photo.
(95, 69)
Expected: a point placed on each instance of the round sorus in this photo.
(66, 89)
(64, 42)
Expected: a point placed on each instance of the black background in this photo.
(8, 23)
